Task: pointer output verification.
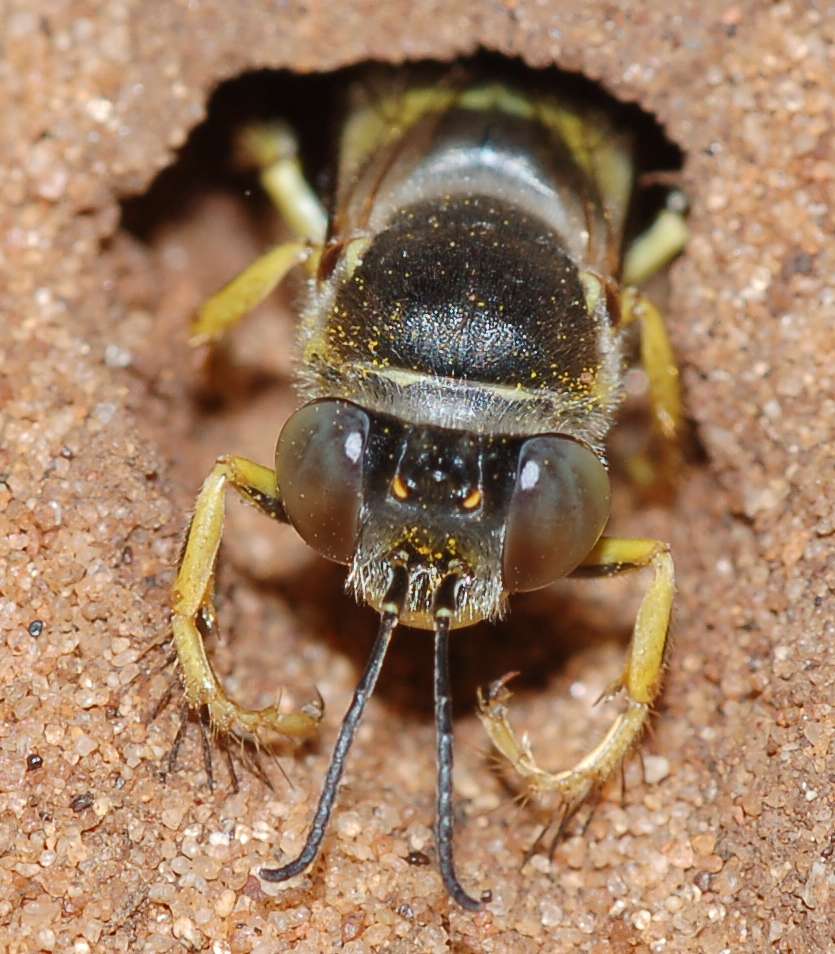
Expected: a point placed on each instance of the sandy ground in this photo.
(108, 422)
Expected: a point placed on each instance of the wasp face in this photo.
(435, 501)
(496, 512)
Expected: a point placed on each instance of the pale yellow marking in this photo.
(192, 595)
(248, 289)
(592, 291)
(473, 500)
(655, 248)
(641, 680)
(353, 253)
(398, 488)
(404, 378)
(600, 151)
(497, 96)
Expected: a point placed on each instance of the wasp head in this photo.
(498, 513)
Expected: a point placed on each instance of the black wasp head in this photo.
(500, 513)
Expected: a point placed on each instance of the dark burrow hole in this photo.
(180, 211)
(314, 105)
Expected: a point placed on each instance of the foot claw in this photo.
(495, 693)
(609, 692)
(316, 707)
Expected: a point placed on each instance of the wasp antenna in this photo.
(230, 766)
(443, 610)
(392, 607)
(277, 762)
(534, 846)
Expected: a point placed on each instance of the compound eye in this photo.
(558, 509)
(319, 469)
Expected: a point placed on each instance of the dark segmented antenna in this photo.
(391, 608)
(443, 609)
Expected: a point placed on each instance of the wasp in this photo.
(461, 361)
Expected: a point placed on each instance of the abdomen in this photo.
(467, 287)
(455, 294)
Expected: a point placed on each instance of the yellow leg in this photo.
(273, 148)
(641, 680)
(658, 361)
(656, 247)
(192, 597)
(226, 307)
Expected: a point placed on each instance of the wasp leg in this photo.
(226, 307)
(658, 361)
(274, 149)
(641, 680)
(656, 247)
(648, 254)
(192, 597)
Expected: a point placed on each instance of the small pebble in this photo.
(417, 858)
(656, 769)
(183, 929)
(225, 903)
(82, 802)
(641, 919)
